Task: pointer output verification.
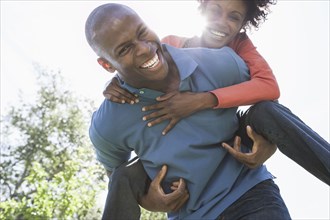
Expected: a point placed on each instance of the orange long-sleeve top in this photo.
(262, 86)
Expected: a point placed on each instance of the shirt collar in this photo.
(185, 64)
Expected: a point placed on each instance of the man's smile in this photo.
(151, 63)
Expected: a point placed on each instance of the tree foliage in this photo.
(147, 215)
(48, 169)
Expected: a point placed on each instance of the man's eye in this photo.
(143, 33)
(124, 50)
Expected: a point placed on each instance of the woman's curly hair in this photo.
(257, 11)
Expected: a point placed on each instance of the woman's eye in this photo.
(234, 18)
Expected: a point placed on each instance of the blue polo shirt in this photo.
(192, 149)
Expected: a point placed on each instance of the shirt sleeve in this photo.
(109, 155)
(262, 86)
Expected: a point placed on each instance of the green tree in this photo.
(146, 215)
(48, 169)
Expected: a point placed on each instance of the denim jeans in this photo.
(292, 136)
(261, 202)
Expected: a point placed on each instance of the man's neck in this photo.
(172, 80)
(173, 77)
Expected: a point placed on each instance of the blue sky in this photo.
(294, 40)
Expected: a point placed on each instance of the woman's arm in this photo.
(262, 86)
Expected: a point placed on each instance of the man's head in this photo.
(124, 43)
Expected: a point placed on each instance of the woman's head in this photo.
(226, 18)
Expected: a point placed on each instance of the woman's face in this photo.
(224, 20)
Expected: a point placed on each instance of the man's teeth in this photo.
(217, 33)
(151, 63)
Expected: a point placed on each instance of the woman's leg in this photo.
(292, 136)
(262, 202)
(127, 183)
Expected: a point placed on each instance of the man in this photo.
(219, 186)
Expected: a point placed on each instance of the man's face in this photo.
(133, 50)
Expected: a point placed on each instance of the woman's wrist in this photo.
(207, 100)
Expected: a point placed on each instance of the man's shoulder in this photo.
(199, 51)
(107, 109)
(212, 54)
(105, 121)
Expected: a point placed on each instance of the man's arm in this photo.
(154, 199)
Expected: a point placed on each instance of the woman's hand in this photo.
(117, 94)
(176, 105)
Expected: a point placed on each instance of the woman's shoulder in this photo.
(174, 40)
(238, 39)
(241, 42)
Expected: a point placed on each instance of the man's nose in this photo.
(142, 47)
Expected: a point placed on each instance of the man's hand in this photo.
(261, 150)
(117, 94)
(176, 105)
(157, 201)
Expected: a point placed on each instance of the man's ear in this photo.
(106, 65)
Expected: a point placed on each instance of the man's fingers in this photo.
(181, 202)
(181, 195)
(237, 143)
(251, 133)
(173, 201)
(237, 154)
(175, 185)
(182, 185)
(160, 176)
